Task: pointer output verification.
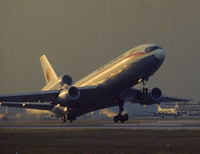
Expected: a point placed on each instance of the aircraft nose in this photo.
(159, 54)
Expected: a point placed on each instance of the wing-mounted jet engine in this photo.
(153, 96)
(143, 97)
(72, 93)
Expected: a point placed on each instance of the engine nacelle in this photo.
(66, 79)
(155, 95)
(72, 93)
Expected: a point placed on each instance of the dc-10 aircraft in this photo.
(110, 85)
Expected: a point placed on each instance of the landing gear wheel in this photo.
(116, 119)
(121, 118)
(63, 118)
(126, 117)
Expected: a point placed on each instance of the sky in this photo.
(79, 36)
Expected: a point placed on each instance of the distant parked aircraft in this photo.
(167, 111)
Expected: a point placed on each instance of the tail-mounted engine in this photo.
(152, 97)
(66, 79)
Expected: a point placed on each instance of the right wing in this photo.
(19, 99)
(29, 105)
(41, 96)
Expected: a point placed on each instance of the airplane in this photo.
(167, 112)
(110, 85)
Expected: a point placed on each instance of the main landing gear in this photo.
(69, 117)
(121, 117)
(64, 118)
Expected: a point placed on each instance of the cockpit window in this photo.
(149, 49)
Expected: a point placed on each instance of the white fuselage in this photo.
(125, 71)
(119, 64)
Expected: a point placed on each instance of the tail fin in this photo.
(49, 73)
(159, 108)
(176, 106)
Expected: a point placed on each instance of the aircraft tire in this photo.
(122, 120)
(116, 119)
(126, 117)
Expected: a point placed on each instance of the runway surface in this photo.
(158, 124)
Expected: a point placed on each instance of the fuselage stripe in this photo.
(136, 55)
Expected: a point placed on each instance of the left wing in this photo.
(175, 99)
(135, 95)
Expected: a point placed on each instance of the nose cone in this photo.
(159, 54)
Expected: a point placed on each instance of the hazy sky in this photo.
(78, 36)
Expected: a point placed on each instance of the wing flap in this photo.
(28, 105)
(41, 96)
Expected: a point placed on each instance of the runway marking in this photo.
(108, 126)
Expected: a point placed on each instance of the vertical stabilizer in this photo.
(159, 108)
(49, 73)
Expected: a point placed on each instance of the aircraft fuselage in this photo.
(127, 70)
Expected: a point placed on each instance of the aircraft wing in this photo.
(28, 105)
(175, 99)
(22, 100)
(41, 96)
(133, 93)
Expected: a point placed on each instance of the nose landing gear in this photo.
(144, 88)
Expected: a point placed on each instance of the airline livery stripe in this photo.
(135, 55)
